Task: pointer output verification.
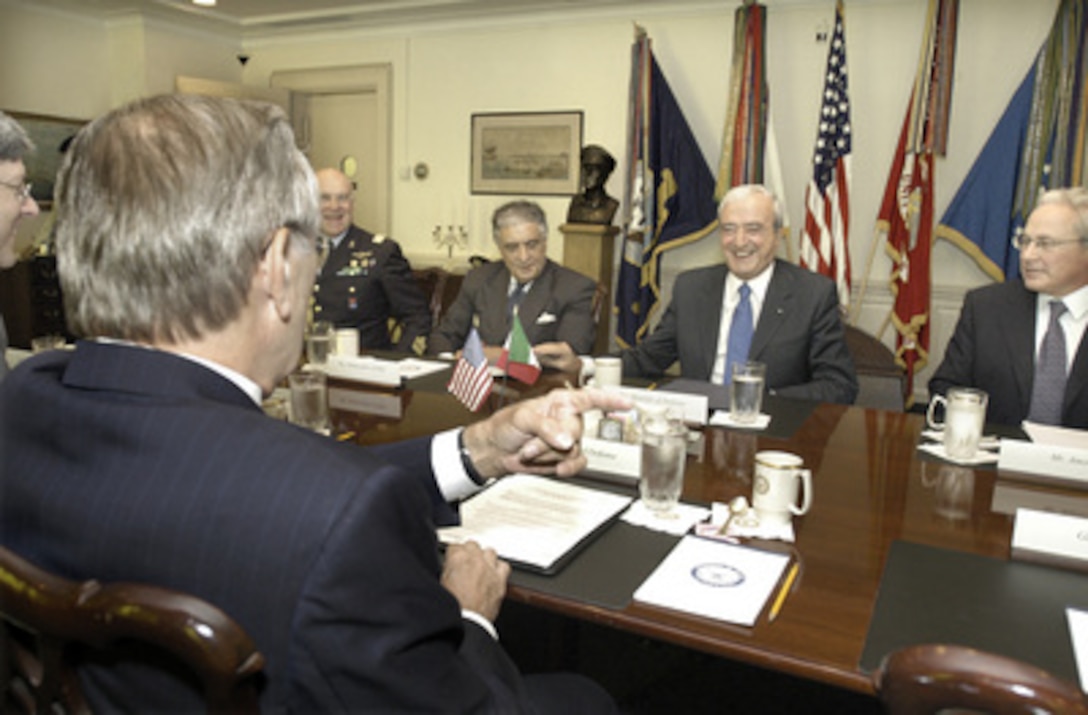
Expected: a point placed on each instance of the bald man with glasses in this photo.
(1022, 341)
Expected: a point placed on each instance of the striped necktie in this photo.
(514, 300)
(1048, 387)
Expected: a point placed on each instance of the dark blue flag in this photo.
(669, 193)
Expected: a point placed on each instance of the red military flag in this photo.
(906, 213)
(825, 237)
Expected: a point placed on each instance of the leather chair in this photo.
(46, 620)
(882, 382)
(928, 678)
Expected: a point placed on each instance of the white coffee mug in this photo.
(964, 415)
(779, 478)
(609, 371)
(347, 342)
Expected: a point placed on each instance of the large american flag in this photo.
(825, 237)
(471, 381)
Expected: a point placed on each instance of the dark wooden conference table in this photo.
(872, 486)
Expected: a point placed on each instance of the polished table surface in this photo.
(871, 487)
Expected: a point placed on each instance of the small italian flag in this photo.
(517, 357)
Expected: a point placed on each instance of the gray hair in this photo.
(164, 210)
(744, 191)
(1075, 198)
(516, 212)
(15, 143)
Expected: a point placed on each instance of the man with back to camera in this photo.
(789, 316)
(366, 279)
(143, 455)
(1022, 341)
(16, 203)
(554, 304)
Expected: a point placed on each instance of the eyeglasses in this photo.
(1022, 242)
(731, 230)
(21, 189)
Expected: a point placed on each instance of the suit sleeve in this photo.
(831, 369)
(576, 326)
(450, 333)
(957, 367)
(375, 630)
(653, 356)
(406, 301)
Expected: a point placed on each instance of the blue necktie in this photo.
(1048, 387)
(740, 333)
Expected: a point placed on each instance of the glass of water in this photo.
(309, 400)
(746, 391)
(661, 472)
(318, 342)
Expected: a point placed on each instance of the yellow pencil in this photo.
(783, 592)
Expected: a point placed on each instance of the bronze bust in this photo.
(593, 205)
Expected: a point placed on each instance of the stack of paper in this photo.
(534, 521)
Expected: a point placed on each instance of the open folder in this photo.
(535, 523)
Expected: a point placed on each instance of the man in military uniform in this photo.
(366, 279)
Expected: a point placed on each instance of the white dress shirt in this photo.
(730, 299)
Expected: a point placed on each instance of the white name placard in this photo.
(693, 409)
(371, 370)
(370, 403)
(1062, 464)
(610, 458)
(1060, 539)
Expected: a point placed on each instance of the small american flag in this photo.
(471, 381)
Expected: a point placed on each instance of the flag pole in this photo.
(855, 307)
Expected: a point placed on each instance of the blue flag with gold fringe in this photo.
(668, 191)
(1038, 143)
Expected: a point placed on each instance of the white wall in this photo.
(571, 60)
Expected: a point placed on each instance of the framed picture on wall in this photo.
(50, 135)
(526, 153)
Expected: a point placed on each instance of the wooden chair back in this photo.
(929, 678)
(46, 618)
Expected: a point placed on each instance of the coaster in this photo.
(722, 418)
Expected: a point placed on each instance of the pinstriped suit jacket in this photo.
(131, 464)
(799, 335)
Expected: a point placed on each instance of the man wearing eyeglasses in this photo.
(16, 203)
(366, 279)
(1022, 341)
(553, 303)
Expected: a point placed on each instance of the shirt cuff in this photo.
(481, 622)
(454, 482)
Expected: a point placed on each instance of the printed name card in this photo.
(364, 369)
(1056, 463)
(693, 409)
(1057, 539)
(370, 403)
(606, 457)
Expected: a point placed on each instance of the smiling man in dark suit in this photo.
(187, 244)
(1007, 332)
(554, 304)
(792, 315)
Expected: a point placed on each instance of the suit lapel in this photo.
(1020, 342)
(1078, 376)
(493, 322)
(533, 304)
(776, 307)
(708, 340)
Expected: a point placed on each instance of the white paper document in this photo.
(1078, 631)
(714, 579)
(533, 520)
